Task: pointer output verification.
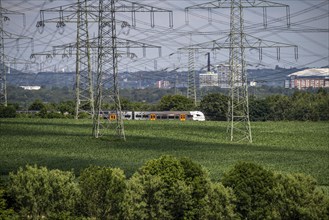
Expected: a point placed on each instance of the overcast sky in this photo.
(309, 31)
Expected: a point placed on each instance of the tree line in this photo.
(300, 106)
(163, 188)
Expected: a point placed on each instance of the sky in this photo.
(309, 31)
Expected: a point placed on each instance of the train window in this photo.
(158, 117)
(171, 117)
(145, 116)
(113, 117)
(189, 116)
(176, 116)
(164, 117)
(138, 116)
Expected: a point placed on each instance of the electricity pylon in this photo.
(238, 113)
(103, 13)
(191, 87)
(76, 13)
(4, 35)
(107, 69)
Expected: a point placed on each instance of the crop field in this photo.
(67, 144)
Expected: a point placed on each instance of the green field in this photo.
(67, 144)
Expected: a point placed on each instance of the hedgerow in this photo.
(163, 188)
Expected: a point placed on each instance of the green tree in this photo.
(280, 107)
(215, 106)
(254, 189)
(5, 212)
(259, 109)
(37, 105)
(168, 188)
(7, 111)
(175, 103)
(299, 198)
(102, 191)
(221, 203)
(42, 193)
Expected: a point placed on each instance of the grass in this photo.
(291, 147)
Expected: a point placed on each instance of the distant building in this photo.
(162, 84)
(309, 78)
(223, 76)
(208, 79)
(31, 87)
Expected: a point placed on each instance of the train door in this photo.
(152, 117)
(113, 117)
(182, 117)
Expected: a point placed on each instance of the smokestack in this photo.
(208, 69)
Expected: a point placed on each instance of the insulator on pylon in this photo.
(296, 53)
(186, 17)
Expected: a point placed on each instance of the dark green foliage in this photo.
(37, 105)
(259, 109)
(5, 212)
(298, 198)
(39, 192)
(102, 191)
(254, 189)
(171, 188)
(221, 202)
(7, 111)
(175, 103)
(67, 107)
(215, 106)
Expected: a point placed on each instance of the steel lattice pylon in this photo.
(191, 88)
(238, 113)
(84, 81)
(3, 87)
(107, 69)
(4, 35)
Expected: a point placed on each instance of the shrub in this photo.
(221, 203)
(102, 191)
(5, 212)
(254, 189)
(299, 198)
(168, 188)
(7, 111)
(42, 193)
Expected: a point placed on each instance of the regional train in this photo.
(146, 115)
(156, 115)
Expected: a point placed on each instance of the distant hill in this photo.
(141, 79)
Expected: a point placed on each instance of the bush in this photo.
(254, 189)
(168, 188)
(299, 198)
(175, 103)
(215, 106)
(7, 111)
(5, 212)
(42, 193)
(102, 191)
(221, 203)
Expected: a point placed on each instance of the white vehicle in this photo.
(169, 115)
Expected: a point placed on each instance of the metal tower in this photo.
(76, 13)
(191, 88)
(4, 35)
(103, 13)
(3, 87)
(238, 113)
(107, 69)
(84, 79)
